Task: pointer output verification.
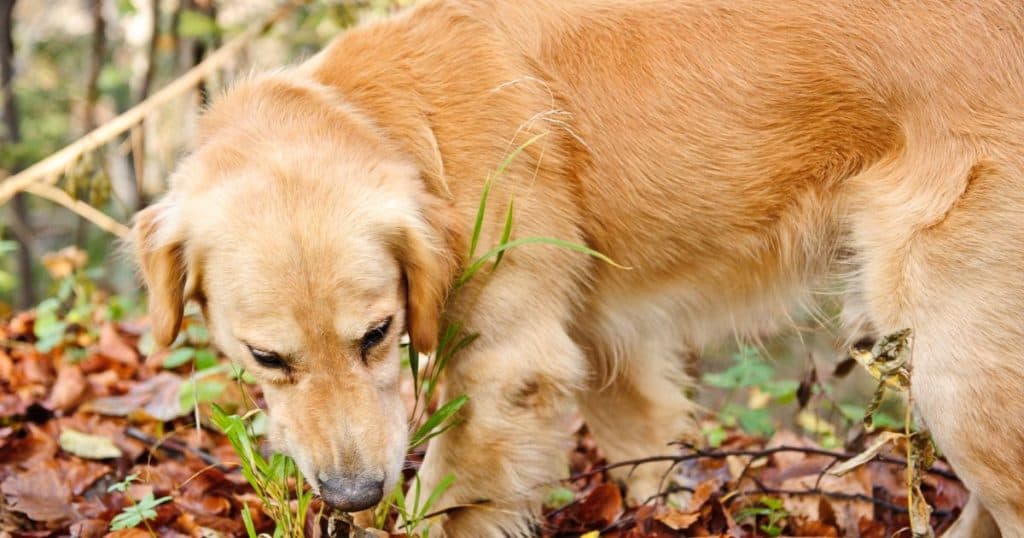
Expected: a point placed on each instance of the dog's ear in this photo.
(159, 247)
(428, 278)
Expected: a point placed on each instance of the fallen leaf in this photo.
(80, 474)
(39, 493)
(206, 505)
(599, 508)
(31, 447)
(158, 396)
(68, 390)
(701, 495)
(678, 520)
(816, 528)
(89, 528)
(113, 346)
(93, 447)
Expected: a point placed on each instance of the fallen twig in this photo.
(174, 447)
(84, 210)
(722, 454)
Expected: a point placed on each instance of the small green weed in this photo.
(270, 479)
(755, 377)
(137, 512)
(769, 510)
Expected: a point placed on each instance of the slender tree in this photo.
(20, 225)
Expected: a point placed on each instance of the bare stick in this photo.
(51, 168)
(84, 210)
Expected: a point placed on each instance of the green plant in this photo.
(452, 339)
(70, 307)
(755, 376)
(770, 511)
(412, 517)
(270, 479)
(136, 512)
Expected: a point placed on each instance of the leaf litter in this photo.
(74, 426)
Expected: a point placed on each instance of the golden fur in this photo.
(735, 155)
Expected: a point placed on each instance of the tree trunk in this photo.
(138, 152)
(92, 94)
(20, 225)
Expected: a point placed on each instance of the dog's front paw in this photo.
(484, 520)
(472, 520)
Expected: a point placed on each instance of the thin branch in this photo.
(174, 447)
(722, 454)
(762, 489)
(84, 210)
(50, 169)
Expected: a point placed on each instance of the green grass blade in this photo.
(439, 490)
(482, 260)
(250, 528)
(478, 225)
(445, 412)
(505, 234)
(515, 153)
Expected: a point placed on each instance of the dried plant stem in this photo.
(84, 210)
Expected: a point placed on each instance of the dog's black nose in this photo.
(351, 493)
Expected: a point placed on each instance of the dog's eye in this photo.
(374, 336)
(267, 359)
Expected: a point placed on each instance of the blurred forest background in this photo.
(69, 66)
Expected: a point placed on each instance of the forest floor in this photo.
(81, 415)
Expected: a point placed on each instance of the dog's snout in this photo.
(351, 493)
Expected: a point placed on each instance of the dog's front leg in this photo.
(512, 443)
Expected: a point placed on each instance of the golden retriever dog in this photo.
(733, 156)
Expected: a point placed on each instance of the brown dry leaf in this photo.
(677, 520)
(80, 474)
(869, 527)
(232, 526)
(113, 346)
(211, 505)
(64, 262)
(100, 383)
(68, 390)
(6, 365)
(846, 512)
(21, 325)
(35, 447)
(816, 528)
(785, 460)
(599, 508)
(701, 494)
(89, 528)
(158, 396)
(40, 493)
(31, 368)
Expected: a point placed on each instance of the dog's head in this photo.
(308, 243)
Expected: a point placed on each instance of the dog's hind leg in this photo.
(640, 407)
(942, 246)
